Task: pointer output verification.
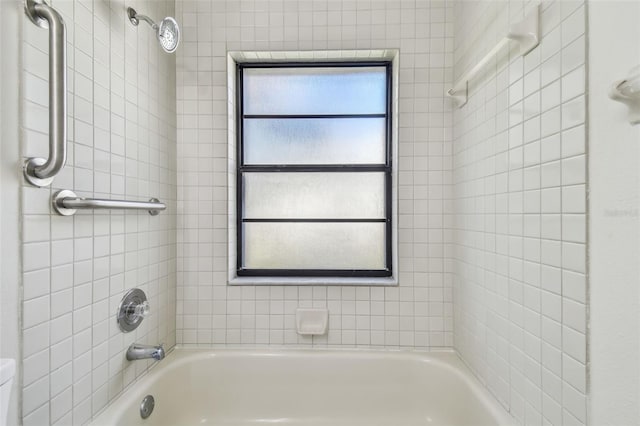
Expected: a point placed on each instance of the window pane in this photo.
(314, 246)
(314, 195)
(329, 90)
(314, 141)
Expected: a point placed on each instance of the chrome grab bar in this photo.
(38, 171)
(66, 203)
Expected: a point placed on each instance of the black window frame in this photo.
(386, 168)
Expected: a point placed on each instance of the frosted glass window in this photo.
(314, 170)
(314, 195)
(310, 90)
(315, 141)
(333, 246)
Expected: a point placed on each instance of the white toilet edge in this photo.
(7, 370)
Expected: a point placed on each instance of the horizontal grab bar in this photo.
(38, 171)
(66, 203)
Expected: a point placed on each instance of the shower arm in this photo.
(135, 18)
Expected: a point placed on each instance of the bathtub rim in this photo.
(445, 358)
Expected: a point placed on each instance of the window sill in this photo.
(304, 281)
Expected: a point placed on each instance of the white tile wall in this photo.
(520, 202)
(514, 173)
(417, 313)
(122, 142)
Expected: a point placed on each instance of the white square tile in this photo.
(574, 228)
(573, 112)
(573, 142)
(573, 26)
(35, 394)
(35, 367)
(575, 403)
(550, 148)
(573, 84)
(574, 170)
(574, 257)
(574, 344)
(35, 311)
(574, 199)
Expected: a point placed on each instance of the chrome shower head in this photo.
(168, 32)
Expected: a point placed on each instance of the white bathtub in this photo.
(308, 387)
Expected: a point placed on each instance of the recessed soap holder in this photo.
(312, 322)
(132, 310)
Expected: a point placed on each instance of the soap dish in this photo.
(312, 321)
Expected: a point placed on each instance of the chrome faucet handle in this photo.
(133, 308)
(141, 310)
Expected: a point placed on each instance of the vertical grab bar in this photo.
(38, 171)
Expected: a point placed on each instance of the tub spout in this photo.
(138, 351)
